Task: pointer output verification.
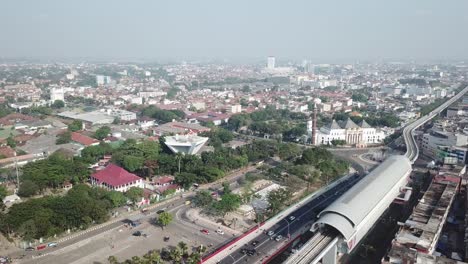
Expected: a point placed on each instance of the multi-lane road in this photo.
(265, 245)
(95, 241)
(412, 150)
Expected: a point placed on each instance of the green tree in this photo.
(172, 93)
(168, 192)
(245, 89)
(102, 132)
(185, 179)
(175, 255)
(229, 202)
(28, 188)
(338, 142)
(278, 198)
(164, 219)
(153, 257)
(63, 138)
(359, 97)
(3, 192)
(226, 188)
(134, 194)
(183, 248)
(203, 198)
(136, 260)
(11, 142)
(244, 102)
(76, 125)
(289, 151)
(133, 163)
(112, 260)
(116, 198)
(194, 258)
(57, 104)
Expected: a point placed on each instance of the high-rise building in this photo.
(56, 94)
(271, 62)
(101, 79)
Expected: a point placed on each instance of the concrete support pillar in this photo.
(330, 256)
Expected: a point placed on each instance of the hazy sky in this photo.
(327, 29)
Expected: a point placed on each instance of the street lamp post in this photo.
(289, 234)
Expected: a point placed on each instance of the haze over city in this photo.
(211, 29)
(228, 132)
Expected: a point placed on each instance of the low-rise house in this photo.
(83, 140)
(116, 178)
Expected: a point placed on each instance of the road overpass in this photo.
(353, 214)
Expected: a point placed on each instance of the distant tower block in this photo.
(271, 62)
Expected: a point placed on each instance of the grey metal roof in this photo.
(349, 124)
(364, 124)
(334, 125)
(351, 208)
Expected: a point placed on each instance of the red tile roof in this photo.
(161, 189)
(7, 152)
(114, 175)
(82, 139)
(13, 118)
(164, 180)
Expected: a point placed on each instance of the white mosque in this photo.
(356, 135)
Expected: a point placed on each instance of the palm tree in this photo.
(153, 257)
(112, 260)
(176, 255)
(201, 249)
(183, 248)
(194, 258)
(136, 260)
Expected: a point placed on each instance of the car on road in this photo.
(205, 231)
(166, 238)
(137, 233)
(292, 217)
(40, 247)
(251, 252)
(160, 211)
(270, 233)
(244, 251)
(219, 231)
(255, 243)
(29, 249)
(278, 238)
(52, 244)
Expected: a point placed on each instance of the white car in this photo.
(279, 237)
(219, 231)
(292, 217)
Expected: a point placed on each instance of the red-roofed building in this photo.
(163, 181)
(176, 187)
(7, 152)
(116, 178)
(83, 140)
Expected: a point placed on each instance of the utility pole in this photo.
(17, 173)
(314, 126)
